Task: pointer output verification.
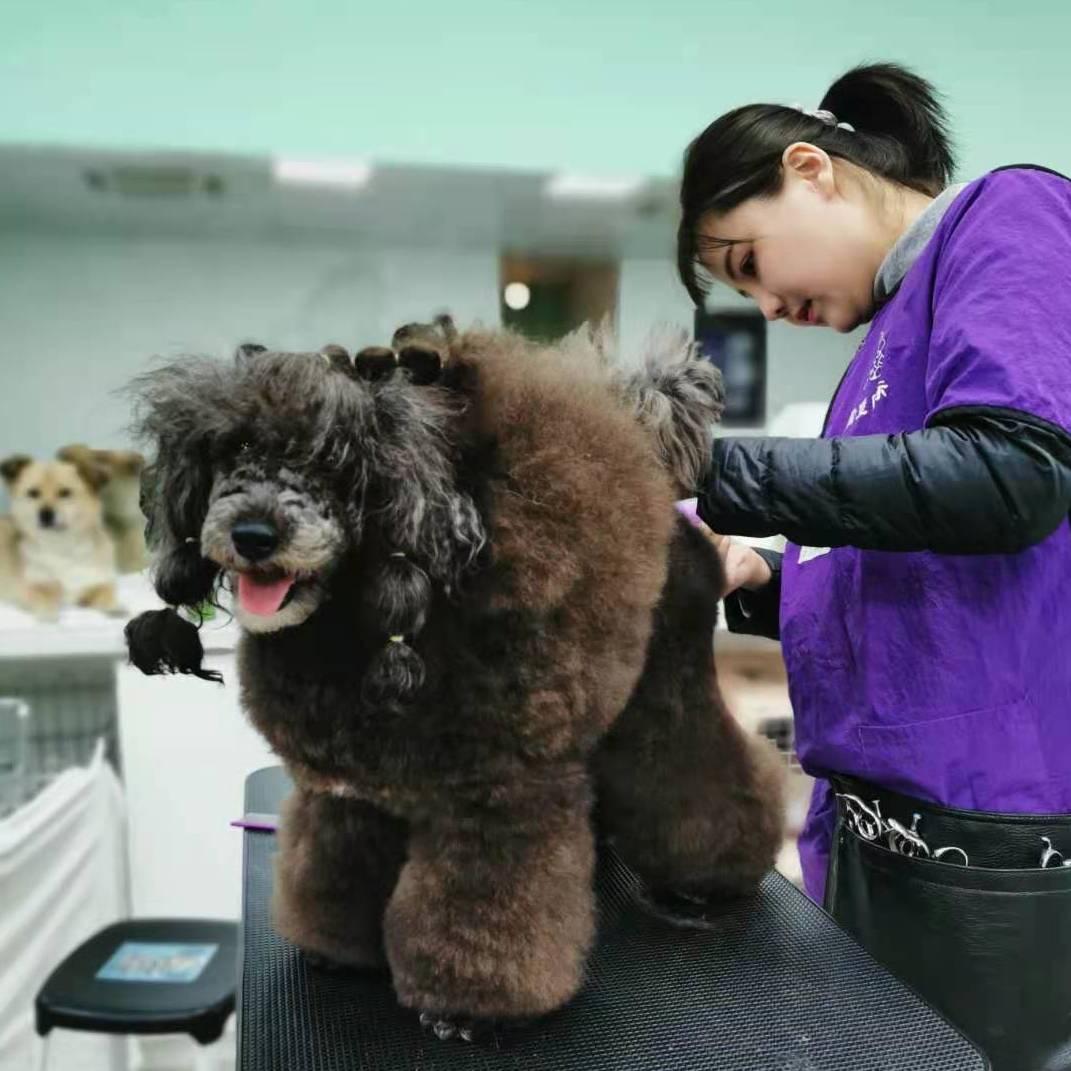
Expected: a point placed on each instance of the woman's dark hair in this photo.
(900, 133)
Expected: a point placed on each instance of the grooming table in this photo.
(776, 984)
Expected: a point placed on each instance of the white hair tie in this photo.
(824, 116)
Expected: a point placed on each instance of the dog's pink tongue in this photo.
(262, 596)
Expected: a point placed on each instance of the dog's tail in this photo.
(676, 395)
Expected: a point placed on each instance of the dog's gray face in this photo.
(279, 536)
(273, 472)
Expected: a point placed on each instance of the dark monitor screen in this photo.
(735, 341)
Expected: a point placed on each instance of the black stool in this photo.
(145, 976)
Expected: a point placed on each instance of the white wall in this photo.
(602, 86)
(81, 315)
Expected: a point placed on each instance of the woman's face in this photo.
(807, 255)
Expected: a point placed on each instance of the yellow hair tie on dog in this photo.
(396, 639)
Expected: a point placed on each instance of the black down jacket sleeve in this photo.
(977, 480)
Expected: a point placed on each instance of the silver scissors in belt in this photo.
(867, 821)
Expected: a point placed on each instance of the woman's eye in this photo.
(747, 265)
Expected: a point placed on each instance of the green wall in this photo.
(594, 86)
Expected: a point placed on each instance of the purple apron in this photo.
(946, 677)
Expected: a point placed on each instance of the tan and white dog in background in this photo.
(54, 547)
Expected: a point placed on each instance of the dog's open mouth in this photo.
(264, 595)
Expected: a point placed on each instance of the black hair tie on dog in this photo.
(375, 363)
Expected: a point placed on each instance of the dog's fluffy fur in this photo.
(494, 622)
(55, 549)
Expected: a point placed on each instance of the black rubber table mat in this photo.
(777, 985)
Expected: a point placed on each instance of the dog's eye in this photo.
(34, 492)
(63, 492)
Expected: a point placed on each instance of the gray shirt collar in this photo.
(911, 243)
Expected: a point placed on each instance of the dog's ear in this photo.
(422, 510)
(178, 412)
(94, 474)
(117, 462)
(174, 498)
(10, 467)
(124, 462)
(176, 409)
(430, 523)
(75, 452)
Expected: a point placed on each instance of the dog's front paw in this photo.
(463, 1028)
(447, 1027)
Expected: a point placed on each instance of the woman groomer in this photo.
(924, 600)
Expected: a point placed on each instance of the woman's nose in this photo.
(773, 308)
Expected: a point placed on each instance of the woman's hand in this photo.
(743, 567)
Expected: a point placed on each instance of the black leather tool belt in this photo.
(971, 908)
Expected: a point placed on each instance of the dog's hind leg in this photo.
(693, 803)
(337, 864)
(494, 913)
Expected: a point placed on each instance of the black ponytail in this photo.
(898, 132)
(902, 128)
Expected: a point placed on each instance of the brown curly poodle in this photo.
(470, 614)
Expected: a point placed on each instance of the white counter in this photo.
(90, 634)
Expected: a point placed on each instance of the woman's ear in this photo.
(804, 162)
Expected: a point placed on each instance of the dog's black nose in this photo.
(47, 517)
(254, 540)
